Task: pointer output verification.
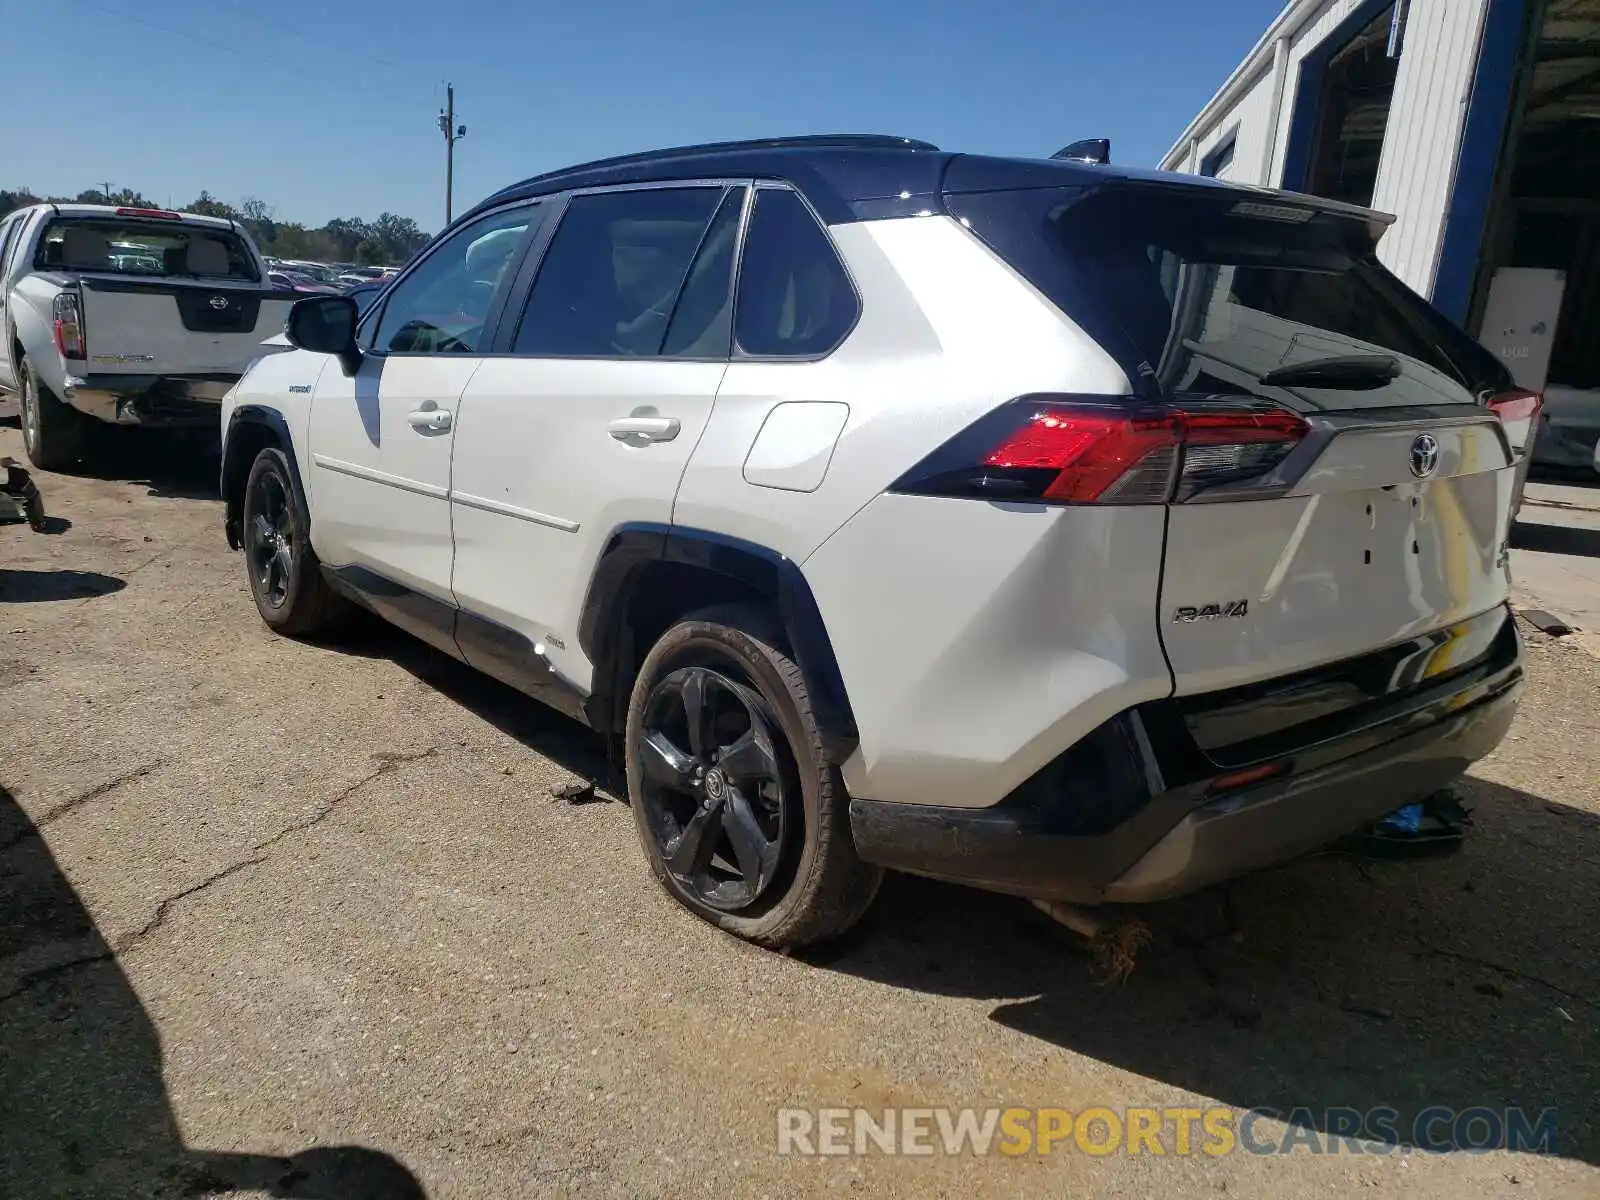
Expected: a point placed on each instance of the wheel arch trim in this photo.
(632, 549)
(235, 470)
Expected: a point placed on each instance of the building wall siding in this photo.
(1250, 117)
(1310, 36)
(1417, 172)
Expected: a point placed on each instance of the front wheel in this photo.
(285, 576)
(52, 430)
(742, 817)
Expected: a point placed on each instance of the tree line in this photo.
(387, 241)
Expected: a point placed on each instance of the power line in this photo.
(278, 25)
(255, 57)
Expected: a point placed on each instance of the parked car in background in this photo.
(1081, 533)
(294, 281)
(126, 316)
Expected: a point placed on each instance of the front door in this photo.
(588, 421)
(381, 439)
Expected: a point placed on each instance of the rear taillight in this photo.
(1069, 450)
(69, 326)
(1519, 404)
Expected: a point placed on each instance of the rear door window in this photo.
(1195, 293)
(610, 279)
(702, 320)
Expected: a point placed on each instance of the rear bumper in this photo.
(1172, 831)
(159, 400)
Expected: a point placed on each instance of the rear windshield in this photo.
(158, 249)
(1195, 294)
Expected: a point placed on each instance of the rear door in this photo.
(587, 420)
(1382, 513)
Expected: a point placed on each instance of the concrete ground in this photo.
(304, 920)
(1556, 548)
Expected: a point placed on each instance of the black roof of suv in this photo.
(855, 177)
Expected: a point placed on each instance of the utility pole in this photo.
(106, 191)
(453, 133)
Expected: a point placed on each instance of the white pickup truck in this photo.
(128, 316)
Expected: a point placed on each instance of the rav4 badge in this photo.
(1212, 612)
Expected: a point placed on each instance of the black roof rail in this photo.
(807, 141)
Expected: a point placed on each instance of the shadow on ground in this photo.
(182, 465)
(1571, 476)
(1463, 982)
(1555, 539)
(33, 587)
(83, 1107)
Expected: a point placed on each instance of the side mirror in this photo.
(326, 325)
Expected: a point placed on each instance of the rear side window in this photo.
(702, 321)
(158, 249)
(611, 276)
(1195, 293)
(795, 299)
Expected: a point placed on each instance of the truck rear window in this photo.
(1194, 291)
(158, 249)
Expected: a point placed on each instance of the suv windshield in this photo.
(1200, 292)
(148, 248)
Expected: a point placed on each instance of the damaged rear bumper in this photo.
(156, 400)
(1158, 802)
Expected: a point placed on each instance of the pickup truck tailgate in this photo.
(140, 327)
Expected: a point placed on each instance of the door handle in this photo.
(654, 429)
(429, 420)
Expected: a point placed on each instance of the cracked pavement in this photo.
(285, 919)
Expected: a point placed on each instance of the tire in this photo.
(285, 576)
(52, 430)
(796, 879)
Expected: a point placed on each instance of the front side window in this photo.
(611, 276)
(440, 308)
(154, 248)
(795, 299)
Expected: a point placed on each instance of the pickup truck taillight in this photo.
(69, 327)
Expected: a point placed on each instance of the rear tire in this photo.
(285, 575)
(52, 430)
(745, 823)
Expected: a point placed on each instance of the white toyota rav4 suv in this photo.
(1085, 534)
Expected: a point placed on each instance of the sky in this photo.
(326, 108)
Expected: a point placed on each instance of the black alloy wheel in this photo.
(716, 797)
(270, 541)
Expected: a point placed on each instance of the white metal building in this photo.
(1475, 122)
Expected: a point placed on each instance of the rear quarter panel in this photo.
(947, 332)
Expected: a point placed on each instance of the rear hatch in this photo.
(1368, 499)
(161, 296)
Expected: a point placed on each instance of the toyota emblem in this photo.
(218, 302)
(1424, 455)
